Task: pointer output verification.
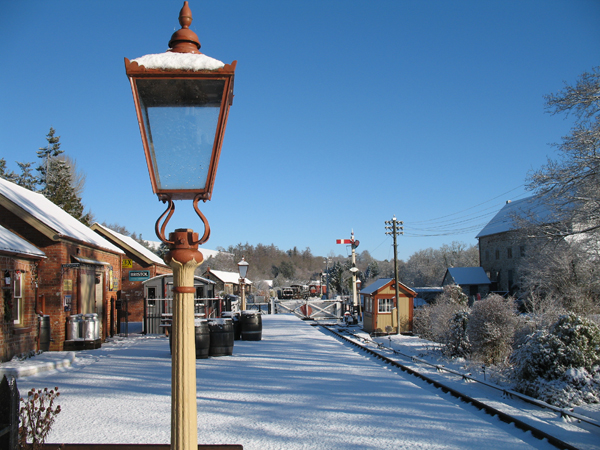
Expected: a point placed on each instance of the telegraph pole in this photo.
(394, 228)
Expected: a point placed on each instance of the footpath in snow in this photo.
(297, 388)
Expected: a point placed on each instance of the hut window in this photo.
(385, 305)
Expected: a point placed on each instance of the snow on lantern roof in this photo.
(179, 61)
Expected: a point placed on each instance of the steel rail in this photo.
(508, 392)
(507, 418)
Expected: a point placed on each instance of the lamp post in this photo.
(327, 261)
(182, 99)
(243, 270)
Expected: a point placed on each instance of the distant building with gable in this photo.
(139, 264)
(473, 281)
(227, 282)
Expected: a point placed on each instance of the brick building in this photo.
(81, 272)
(19, 323)
(138, 265)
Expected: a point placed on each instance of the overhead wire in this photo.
(457, 223)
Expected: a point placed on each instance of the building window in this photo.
(497, 254)
(522, 251)
(18, 299)
(368, 304)
(509, 252)
(487, 255)
(386, 305)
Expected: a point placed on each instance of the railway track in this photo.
(395, 358)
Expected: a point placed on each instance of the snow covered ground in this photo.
(298, 388)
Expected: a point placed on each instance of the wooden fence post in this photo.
(9, 414)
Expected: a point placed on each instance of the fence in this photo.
(312, 309)
(9, 413)
(155, 308)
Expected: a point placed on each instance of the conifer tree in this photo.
(57, 179)
(47, 154)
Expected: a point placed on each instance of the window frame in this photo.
(385, 305)
(17, 298)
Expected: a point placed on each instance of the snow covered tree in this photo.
(491, 328)
(564, 275)
(561, 365)
(457, 341)
(439, 321)
(571, 184)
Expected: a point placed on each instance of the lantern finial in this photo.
(184, 40)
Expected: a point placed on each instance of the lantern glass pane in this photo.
(181, 118)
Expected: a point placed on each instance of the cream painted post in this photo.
(183, 258)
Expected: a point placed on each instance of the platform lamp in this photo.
(182, 99)
(243, 269)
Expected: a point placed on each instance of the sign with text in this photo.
(139, 275)
(127, 264)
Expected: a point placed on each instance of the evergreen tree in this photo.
(58, 180)
(47, 154)
(5, 173)
(27, 179)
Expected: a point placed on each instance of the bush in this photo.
(37, 415)
(445, 321)
(457, 341)
(491, 328)
(561, 365)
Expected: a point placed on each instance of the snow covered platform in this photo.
(297, 388)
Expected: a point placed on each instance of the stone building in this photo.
(502, 247)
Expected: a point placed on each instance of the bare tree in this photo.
(570, 185)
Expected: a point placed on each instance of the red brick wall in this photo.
(21, 338)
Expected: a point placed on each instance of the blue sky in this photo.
(345, 113)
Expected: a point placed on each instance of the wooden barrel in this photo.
(202, 338)
(251, 323)
(237, 327)
(221, 337)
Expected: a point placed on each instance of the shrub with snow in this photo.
(561, 365)
(491, 328)
(445, 321)
(457, 340)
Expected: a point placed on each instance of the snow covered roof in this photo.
(11, 243)
(378, 284)
(464, 276)
(228, 277)
(179, 61)
(128, 243)
(504, 221)
(37, 210)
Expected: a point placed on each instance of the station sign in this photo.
(139, 275)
